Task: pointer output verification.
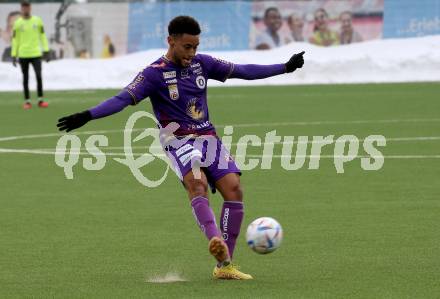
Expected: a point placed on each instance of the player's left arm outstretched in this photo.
(139, 89)
(256, 71)
(106, 108)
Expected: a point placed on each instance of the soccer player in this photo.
(27, 40)
(176, 85)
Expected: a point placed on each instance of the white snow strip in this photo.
(398, 139)
(378, 61)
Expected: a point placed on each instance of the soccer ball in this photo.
(264, 235)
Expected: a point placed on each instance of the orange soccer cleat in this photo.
(27, 105)
(43, 104)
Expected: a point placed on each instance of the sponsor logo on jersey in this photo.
(198, 71)
(172, 81)
(184, 74)
(201, 82)
(195, 65)
(201, 126)
(222, 61)
(169, 75)
(225, 224)
(194, 110)
(139, 78)
(174, 92)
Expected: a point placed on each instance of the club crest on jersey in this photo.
(201, 82)
(174, 92)
(169, 75)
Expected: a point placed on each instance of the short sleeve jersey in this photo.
(179, 94)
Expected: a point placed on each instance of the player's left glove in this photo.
(74, 121)
(295, 62)
(46, 56)
(14, 61)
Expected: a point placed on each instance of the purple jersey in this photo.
(178, 94)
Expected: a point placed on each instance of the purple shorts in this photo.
(206, 153)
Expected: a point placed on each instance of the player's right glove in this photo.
(295, 62)
(74, 121)
(14, 61)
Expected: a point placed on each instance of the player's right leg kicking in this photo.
(231, 218)
(198, 193)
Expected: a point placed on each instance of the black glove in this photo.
(14, 61)
(295, 62)
(46, 56)
(74, 121)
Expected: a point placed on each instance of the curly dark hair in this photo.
(183, 24)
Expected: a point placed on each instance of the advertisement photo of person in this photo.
(347, 34)
(296, 26)
(322, 34)
(271, 37)
(6, 35)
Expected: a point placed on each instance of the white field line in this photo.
(40, 152)
(51, 151)
(306, 123)
(336, 122)
(396, 139)
(60, 134)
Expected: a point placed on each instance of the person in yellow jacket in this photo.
(322, 34)
(29, 46)
(108, 51)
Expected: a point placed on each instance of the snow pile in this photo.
(393, 60)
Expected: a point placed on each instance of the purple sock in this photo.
(205, 217)
(230, 222)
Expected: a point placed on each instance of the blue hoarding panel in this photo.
(410, 18)
(225, 25)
